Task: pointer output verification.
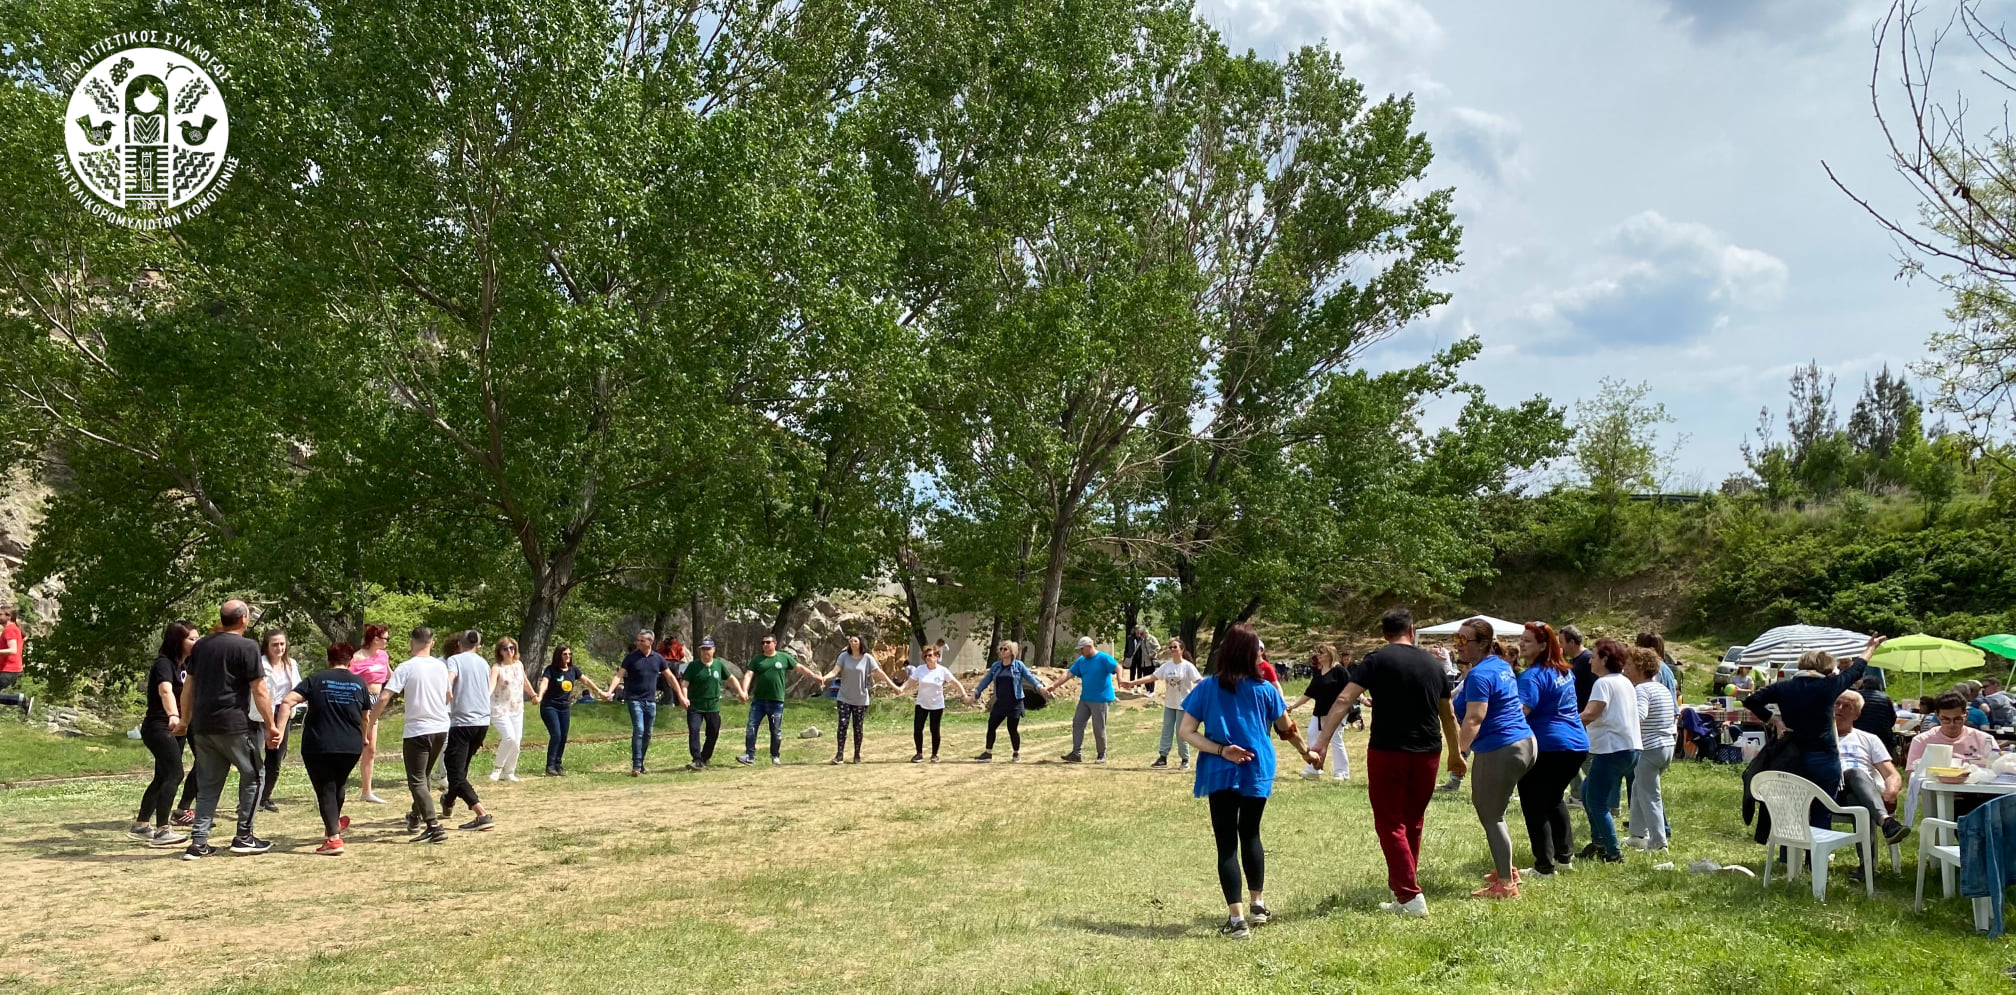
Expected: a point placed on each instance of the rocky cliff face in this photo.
(20, 512)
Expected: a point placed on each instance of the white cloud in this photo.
(1486, 144)
(1388, 32)
(1777, 21)
(1662, 282)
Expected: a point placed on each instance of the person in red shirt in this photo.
(11, 648)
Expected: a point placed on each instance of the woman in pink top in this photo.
(374, 665)
(1968, 743)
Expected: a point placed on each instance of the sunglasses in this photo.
(1462, 640)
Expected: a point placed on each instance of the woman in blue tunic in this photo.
(1226, 719)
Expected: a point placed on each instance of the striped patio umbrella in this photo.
(1782, 646)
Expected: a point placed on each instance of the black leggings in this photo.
(1235, 824)
(1014, 719)
(920, 716)
(1543, 801)
(330, 775)
(188, 783)
(274, 756)
(160, 791)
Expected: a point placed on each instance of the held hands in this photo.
(274, 733)
(1457, 765)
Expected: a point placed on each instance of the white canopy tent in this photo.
(1499, 627)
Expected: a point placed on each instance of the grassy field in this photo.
(1039, 877)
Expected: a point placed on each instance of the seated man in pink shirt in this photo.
(1968, 744)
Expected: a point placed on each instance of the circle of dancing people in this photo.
(1544, 720)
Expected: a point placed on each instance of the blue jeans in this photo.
(758, 711)
(1822, 767)
(1601, 792)
(643, 714)
(556, 720)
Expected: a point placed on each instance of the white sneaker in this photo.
(370, 799)
(1638, 843)
(1346, 776)
(1413, 908)
(1308, 771)
(513, 776)
(496, 775)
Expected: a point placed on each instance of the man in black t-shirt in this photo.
(225, 686)
(1411, 721)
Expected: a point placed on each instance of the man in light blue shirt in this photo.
(1095, 671)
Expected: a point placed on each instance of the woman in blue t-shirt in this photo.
(1495, 731)
(1226, 719)
(1547, 691)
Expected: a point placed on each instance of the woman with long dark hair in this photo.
(1226, 719)
(857, 671)
(162, 695)
(556, 702)
(281, 676)
(372, 665)
(1494, 729)
(1547, 692)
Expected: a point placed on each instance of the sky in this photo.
(1641, 188)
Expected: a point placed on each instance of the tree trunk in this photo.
(784, 610)
(906, 574)
(542, 616)
(693, 620)
(1053, 585)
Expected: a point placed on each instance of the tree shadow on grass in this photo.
(1134, 930)
(66, 849)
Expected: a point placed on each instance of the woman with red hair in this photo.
(1547, 690)
(374, 665)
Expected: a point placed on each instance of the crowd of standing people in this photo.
(1556, 723)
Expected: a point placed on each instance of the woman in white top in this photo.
(929, 681)
(509, 691)
(1649, 827)
(1175, 678)
(1614, 717)
(857, 670)
(281, 676)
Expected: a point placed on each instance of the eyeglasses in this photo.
(1462, 640)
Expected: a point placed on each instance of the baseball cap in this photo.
(706, 644)
(1086, 642)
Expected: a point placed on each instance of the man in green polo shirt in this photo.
(762, 686)
(700, 692)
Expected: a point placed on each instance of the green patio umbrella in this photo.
(1922, 654)
(2001, 644)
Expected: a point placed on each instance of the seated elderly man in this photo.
(1868, 778)
(1996, 702)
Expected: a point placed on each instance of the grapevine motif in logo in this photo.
(146, 132)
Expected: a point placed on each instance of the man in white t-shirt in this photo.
(427, 685)
(1174, 678)
(1868, 778)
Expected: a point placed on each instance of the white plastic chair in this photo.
(1790, 798)
(1930, 848)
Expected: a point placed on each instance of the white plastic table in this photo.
(1942, 807)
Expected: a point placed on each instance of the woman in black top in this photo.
(162, 695)
(332, 737)
(1806, 713)
(557, 684)
(1323, 689)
